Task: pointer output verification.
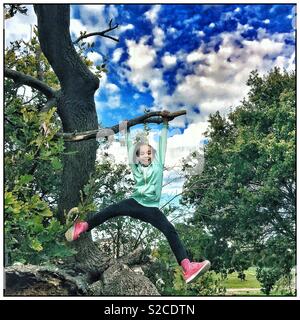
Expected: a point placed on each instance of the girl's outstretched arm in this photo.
(162, 145)
(130, 146)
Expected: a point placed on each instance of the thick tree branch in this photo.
(21, 78)
(101, 33)
(105, 132)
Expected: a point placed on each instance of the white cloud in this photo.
(180, 145)
(114, 101)
(75, 27)
(217, 80)
(112, 88)
(117, 55)
(267, 21)
(25, 91)
(112, 12)
(201, 33)
(195, 55)
(290, 64)
(171, 30)
(212, 25)
(263, 47)
(126, 27)
(142, 74)
(141, 108)
(141, 55)
(112, 92)
(169, 60)
(159, 37)
(103, 82)
(89, 12)
(95, 57)
(152, 14)
(116, 152)
(20, 26)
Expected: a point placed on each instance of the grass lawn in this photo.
(248, 287)
(237, 287)
(250, 281)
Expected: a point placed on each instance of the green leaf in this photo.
(46, 213)
(56, 164)
(26, 178)
(9, 198)
(36, 245)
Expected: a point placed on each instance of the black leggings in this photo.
(130, 207)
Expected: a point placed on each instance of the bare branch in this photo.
(100, 33)
(34, 97)
(87, 135)
(177, 195)
(22, 79)
(172, 180)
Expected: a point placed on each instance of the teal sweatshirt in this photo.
(148, 180)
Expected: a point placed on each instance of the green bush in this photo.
(32, 234)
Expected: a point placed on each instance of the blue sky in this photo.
(194, 57)
(166, 49)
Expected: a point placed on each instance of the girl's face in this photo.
(145, 155)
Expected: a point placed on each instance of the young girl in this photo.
(147, 168)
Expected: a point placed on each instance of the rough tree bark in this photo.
(75, 103)
(118, 277)
(76, 108)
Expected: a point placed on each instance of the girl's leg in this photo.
(152, 215)
(158, 220)
(191, 270)
(125, 207)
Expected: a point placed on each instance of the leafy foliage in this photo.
(32, 234)
(11, 9)
(32, 164)
(245, 197)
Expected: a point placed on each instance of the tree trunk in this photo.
(76, 106)
(121, 277)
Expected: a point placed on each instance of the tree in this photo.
(61, 79)
(245, 198)
(32, 231)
